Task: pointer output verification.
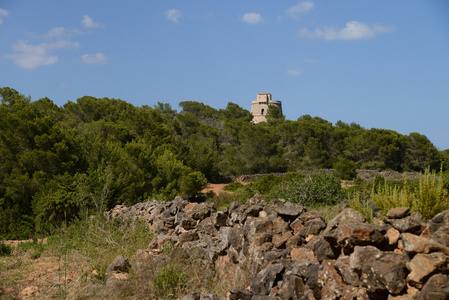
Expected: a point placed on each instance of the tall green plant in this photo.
(432, 196)
(429, 197)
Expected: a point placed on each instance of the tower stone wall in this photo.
(259, 107)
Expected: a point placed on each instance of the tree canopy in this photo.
(60, 163)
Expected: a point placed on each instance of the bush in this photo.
(5, 249)
(314, 190)
(428, 197)
(170, 282)
(265, 184)
(35, 248)
(232, 187)
(363, 204)
(345, 169)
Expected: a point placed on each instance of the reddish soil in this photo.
(217, 188)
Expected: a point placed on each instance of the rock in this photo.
(120, 276)
(266, 279)
(332, 283)
(209, 297)
(280, 240)
(407, 224)
(275, 255)
(240, 295)
(259, 297)
(280, 226)
(309, 270)
(188, 236)
(398, 212)
(293, 252)
(423, 265)
(290, 211)
(267, 246)
(392, 236)
(347, 273)
(201, 211)
(312, 227)
(322, 248)
(302, 254)
(294, 242)
(219, 219)
(331, 233)
(347, 215)
(185, 221)
(415, 244)
(194, 296)
(441, 236)
(442, 218)
(119, 264)
(292, 287)
(437, 287)
(296, 225)
(310, 215)
(263, 214)
(380, 272)
(360, 234)
(29, 291)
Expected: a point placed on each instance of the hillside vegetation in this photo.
(59, 164)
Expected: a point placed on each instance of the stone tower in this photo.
(259, 107)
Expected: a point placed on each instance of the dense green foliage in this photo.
(313, 190)
(58, 164)
(5, 249)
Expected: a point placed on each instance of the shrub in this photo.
(363, 204)
(265, 184)
(35, 248)
(170, 282)
(428, 197)
(5, 249)
(345, 169)
(233, 186)
(314, 190)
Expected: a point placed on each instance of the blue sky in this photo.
(381, 64)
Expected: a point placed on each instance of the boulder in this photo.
(290, 211)
(266, 279)
(441, 235)
(398, 212)
(415, 244)
(408, 224)
(380, 272)
(423, 265)
(119, 264)
(437, 287)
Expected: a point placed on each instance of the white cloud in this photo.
(352, 31)
(3, 14)
(173, 15)
(294, 72)
(89, 23)
(252, 18)
(96, 58)
(29, 56)
(56, 32)
(297, 10)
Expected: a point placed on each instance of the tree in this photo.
(274, 114)
(345, 169)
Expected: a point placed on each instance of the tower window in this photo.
(262, 112)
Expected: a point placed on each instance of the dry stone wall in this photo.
(362, 174)
(287, 252)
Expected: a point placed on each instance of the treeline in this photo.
(62, 163)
